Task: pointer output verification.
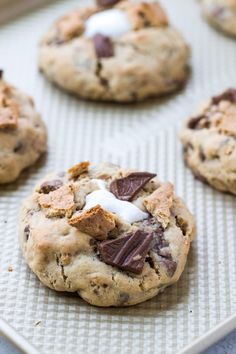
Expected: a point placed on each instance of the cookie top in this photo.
(221, 14)
(116, 237)
(117, 51)
(209, 140)
(22, 133)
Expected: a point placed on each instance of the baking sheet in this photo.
(142, 136)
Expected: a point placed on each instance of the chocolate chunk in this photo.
(151, 225)
(189, 145)
(159, 241)
(187, 148)
(123, 298)
(159, 245)
(1, 74)
(18, 147)
(169, 264)
(27, 232)
(199, 177)
(126, 188)
(193, 123)
(107, 3)
(103, 46)
(50, 186)
(202, 155)
(128, 252)
(228, 95)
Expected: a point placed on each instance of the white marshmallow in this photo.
(125, 210)
(100, 183)
(112, 23)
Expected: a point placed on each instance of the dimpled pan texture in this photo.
(142, 137)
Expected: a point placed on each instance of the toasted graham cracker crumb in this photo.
(76, 170)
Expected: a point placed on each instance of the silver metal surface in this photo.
(142, 136)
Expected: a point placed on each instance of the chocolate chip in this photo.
(153, 226)
(1, 74)
(159, 245)
(228, 95)
(193, 122)
(104, 82)
(187, 148)
(123, 298)
(27, 232)
(126, 188)
(202, 155)
(189, 145)
(107, 3)
(103, 46)
(50, 186)
(199, 177)
(128, 252)
(146, 23)
(169, 264)
(96, 291)
(18, 147)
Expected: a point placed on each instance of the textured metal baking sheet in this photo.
(142, 136)
(10, 9)
(21, 345)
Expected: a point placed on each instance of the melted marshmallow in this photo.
(125, 210)
(112, 23)
(100, 183)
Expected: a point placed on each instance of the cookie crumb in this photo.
(37, 323)
(10, 269)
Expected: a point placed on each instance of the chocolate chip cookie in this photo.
(209, 140)
(114, 236)
(120, 51)
(23, 135)
(221, 14)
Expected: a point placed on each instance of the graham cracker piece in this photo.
(9, 109)
(160, 202)
(59, 202)
(96, 222)
(76, 170)
(145, 14)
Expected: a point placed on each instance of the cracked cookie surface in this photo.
(221, 14)
(209, 142)
(108, 257)
(145, 58)
(23, 135)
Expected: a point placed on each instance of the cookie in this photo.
(114, 236)
(209, 140)
(221, 14)
(120, 51)
(23, 135)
